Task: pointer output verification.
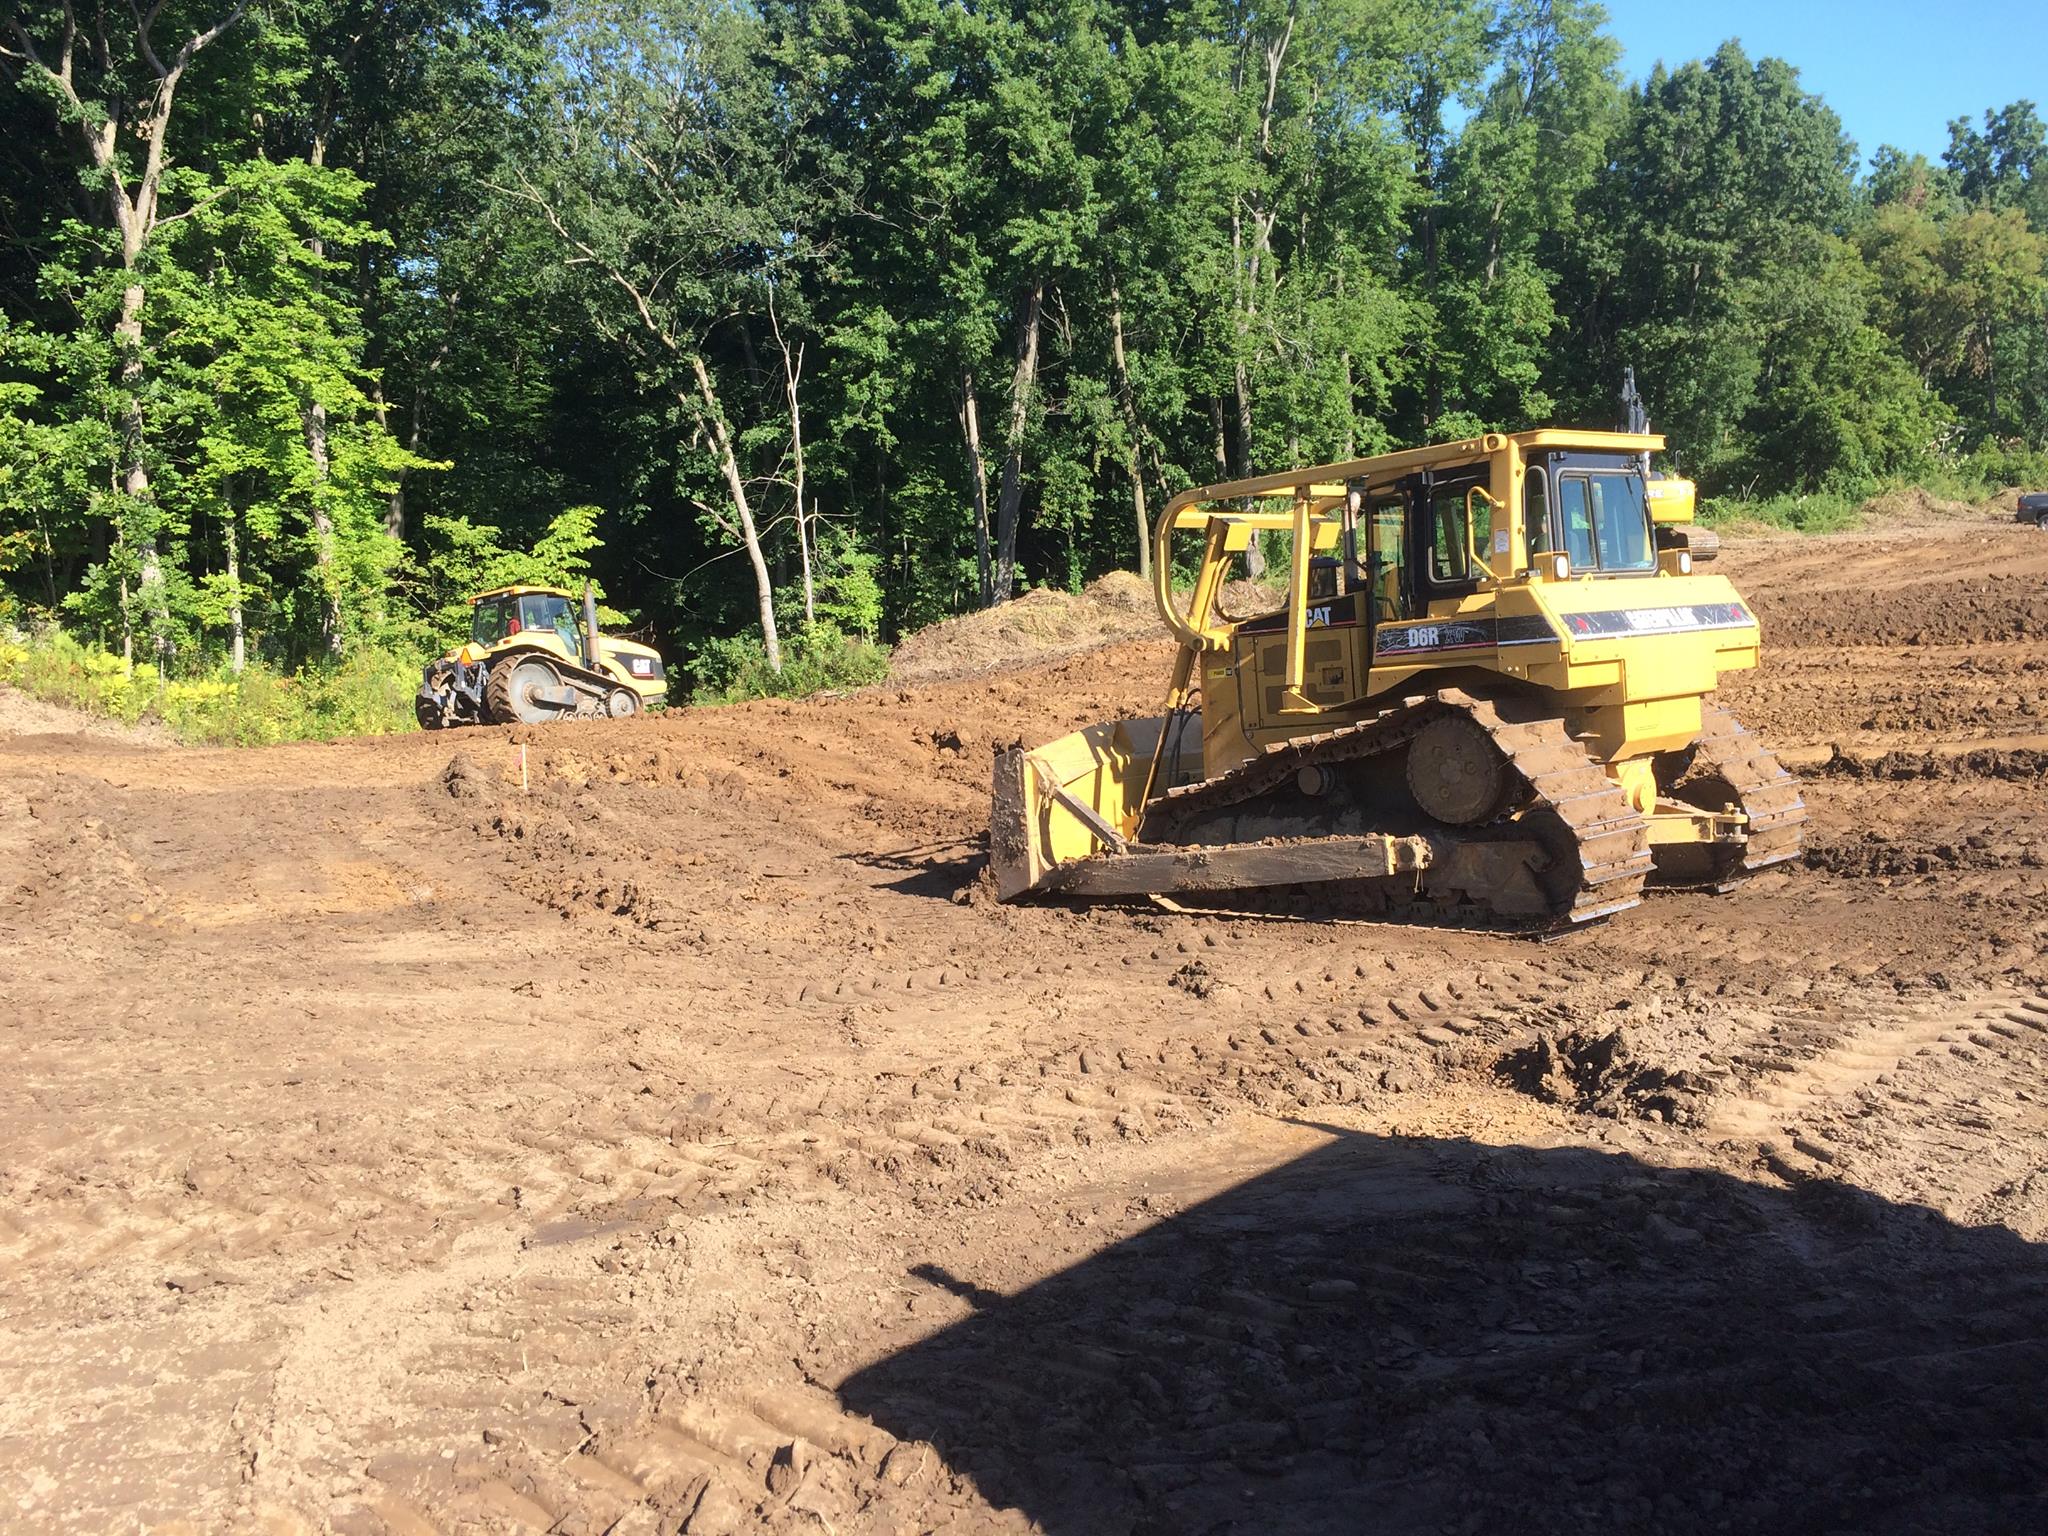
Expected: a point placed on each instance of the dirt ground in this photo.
(680, 1139)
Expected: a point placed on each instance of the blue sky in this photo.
(1895, 71)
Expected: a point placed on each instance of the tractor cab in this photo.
(533, 612)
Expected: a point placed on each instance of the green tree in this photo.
(112, 95)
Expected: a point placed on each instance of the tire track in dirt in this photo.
(685, 1144)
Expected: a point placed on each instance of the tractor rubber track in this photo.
(1569, 803)
(1768, 794)
(593, 690)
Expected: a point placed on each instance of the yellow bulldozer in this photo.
(528, 661)
(1484, 699)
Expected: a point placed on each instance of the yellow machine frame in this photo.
(1626, 658)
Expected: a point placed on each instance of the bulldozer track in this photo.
(1590, 819)
(1769, 795)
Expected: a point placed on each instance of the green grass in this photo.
(370, 694)
(1819, 512)
(1973, 478)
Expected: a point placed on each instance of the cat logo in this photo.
(1318, 617)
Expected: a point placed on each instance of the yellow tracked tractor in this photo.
(528, 661)
(1484, 699)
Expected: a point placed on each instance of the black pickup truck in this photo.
(2034, 509)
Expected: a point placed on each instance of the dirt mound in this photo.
(1244, 598)
(1914, 507)
(1912, 586)
(1599, 1072)
(1037, 626)
(23, 715)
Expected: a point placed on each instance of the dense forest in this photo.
(795, 320)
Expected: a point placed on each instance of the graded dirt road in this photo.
(685, 1141)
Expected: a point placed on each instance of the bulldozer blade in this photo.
(1154, 870)
(1068, 800)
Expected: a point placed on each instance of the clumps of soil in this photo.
(1874, 854)
(462, 779)
(2018, 764)
(1598, 1072)
(978, 889)
(1195, 979)
(1034, 627)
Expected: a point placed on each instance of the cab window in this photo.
(1574, 501)
(1536, 510)
(487, 622)
(1449, 552)
(548, 610)
(1389, 556)
(1606, 522)
(1621, 523)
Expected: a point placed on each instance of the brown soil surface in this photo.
(686, 1143)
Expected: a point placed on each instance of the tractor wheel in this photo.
(621, 702)
(509, 696)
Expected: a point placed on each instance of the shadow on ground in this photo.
(936, 870)
(1403, 1335)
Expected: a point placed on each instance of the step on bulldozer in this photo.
(528, 661)
(1484, 700)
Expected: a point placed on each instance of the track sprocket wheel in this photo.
(1456, 773)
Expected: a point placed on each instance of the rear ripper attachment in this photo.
(1482, 701)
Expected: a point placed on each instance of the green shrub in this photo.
(815, 658)
(1994, 468)
(369, 694)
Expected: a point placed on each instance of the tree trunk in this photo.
(1130, 408)
(394, 509)
(1010, 497)
(1350, 412)
(735, 483)
(970, 429)
(1248, 268)
(120, 558)
(134, 473)
(1216, 423)
(792, 372)
(1254, 550)
(237, 657)
(1991, 373)
(315, 417)
(326, 569)
(104, 135)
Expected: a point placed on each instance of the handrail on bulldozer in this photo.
(1320, 487)
(1324, 486)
